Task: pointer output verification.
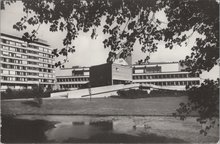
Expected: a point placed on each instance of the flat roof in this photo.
(40, 41)
(153, 63)
(74, 68)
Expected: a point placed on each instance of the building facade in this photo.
(110, 74)
(25, 64)
(72, 78)
(170, 75)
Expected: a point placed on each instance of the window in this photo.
(12, 54)
(4, 65)
(3, 40)
(24, 44)
(24, 56)
(32, 63)
(41, 49)
(5, 71)
(24, 62)
(5, 59)
(23, 51)
(40, 54)
(33, 46)
(23, 68)
(19, 61)
(5, 47)
(12, 49)
(18, 44)
(5, 53)
(176, 83)
(11, 42)
(18, 55)
(5, 78)
(12, 79)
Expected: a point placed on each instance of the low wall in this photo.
(104, 91)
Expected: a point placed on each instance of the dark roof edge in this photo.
(153, 63)
(19, 38)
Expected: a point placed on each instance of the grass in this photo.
(152, 106)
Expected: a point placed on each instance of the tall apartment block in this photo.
(25, 64)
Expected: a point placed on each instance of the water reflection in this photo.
(75, 129)
(20, 130)
(78, 130)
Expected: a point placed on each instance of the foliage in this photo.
(205, 101)
(36, 92)
(128, 21)
(134, 94)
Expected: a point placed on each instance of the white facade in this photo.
(72, 78)
(25, 64)
(170, 75)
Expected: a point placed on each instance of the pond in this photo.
(90, 129)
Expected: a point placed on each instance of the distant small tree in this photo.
(37, 92)
(49, 88)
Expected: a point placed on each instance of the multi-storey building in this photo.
(72, 78)
(25, 64)
(164, 74)
(110, 74)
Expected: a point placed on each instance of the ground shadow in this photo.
(126, 138)
(31, 103)
(24, 131)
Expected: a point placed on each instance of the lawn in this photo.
(152, 106)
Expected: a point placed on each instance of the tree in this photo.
(203, 100)
(128, 21)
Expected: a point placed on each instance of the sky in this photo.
(91, 51)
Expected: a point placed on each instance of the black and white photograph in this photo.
(109, 71)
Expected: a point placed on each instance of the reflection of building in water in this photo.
(105, 125)
(163, 74)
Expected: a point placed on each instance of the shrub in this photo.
(132, 93)
(35, 92)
